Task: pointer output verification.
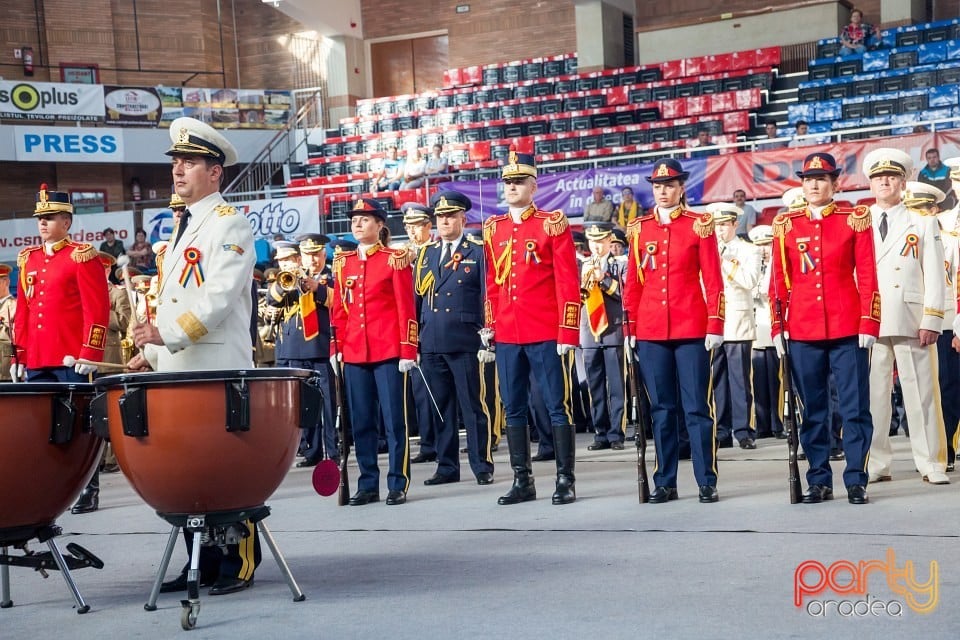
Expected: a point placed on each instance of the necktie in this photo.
(883, 226)
(445, 258)
(182, 226)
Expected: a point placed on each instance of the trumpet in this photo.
(288, 280)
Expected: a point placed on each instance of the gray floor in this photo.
(451, 563)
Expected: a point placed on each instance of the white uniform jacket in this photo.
(910, 272)
(740, 267)
(204, 304)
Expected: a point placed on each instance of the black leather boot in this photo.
(89, 499)
(522, 489)
(564, 443)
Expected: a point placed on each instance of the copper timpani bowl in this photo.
(205, 441)
(47, 450)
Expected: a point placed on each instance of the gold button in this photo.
(173, 300)
(39, 326)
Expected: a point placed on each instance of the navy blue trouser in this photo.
(373, 389)
(948, 366)
(766, 392)
(676, 374)
(812, 362)
(732, 394)
(515, 363)
(320, 441)
(604, 367)
(455, 380)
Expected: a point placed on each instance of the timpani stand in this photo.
(205, 449)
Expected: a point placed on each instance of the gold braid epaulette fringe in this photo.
(556, 224)
(22, 256)
(703, 225)
(782, 225)
(488, 226)
(225, 210)
(339, 260)
(633, 229)
(860, 220)
(399, 259)
(83, 253)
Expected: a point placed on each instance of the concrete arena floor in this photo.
(451, 563)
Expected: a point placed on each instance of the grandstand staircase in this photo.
(782, 94)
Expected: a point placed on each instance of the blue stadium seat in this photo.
(912, 101)
(942, 96)
(876, 60)
(828, 110)
(858, 107)
(952, 49)
(801, 111)
(932, 53)
(908, 120)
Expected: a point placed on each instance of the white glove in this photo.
(16, 372)
(630, 341)
(486, 336)
(779, 344)
(563, 349)
(486, 356)
(712, 341)
(85, 369)
(866, 341)
(406, 365)
(335, 363)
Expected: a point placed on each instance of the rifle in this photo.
(342, 426)
(633, 386)
(789, 413)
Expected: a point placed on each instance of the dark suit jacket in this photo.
(450, 300)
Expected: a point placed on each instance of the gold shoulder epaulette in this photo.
(225, 210)
(702, 223)
(340, 259)
(472, 239)
(860, 219)
(555, 223)
(83, 253)
(22, 256)
(633, 229)
(399, 258)
(488, 226)
(783, 223)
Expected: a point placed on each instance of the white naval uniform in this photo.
(740, 266)
(212, 317)
(911, 298)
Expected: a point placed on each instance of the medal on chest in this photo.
(192, 270)
(531, 252)
(807, 262)
(911, 246)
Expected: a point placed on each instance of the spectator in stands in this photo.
(110, 243)
(748, 220)
(771, 142)
(141, 253)
(858, 36)
(599, 209)
(414, 171)
(703, 140)
(390, 174)
(937, 174)
(628, 208)
(436, 163)
(798, 137)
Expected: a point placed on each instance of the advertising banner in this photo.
(132, 106)
(19, 233)
(54, 101)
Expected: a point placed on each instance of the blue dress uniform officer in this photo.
(376, 339)
(417, 222)
(673, 292)
(449, 283)
(304, 293)
(824, 299)
(601, 336)
(533, 309)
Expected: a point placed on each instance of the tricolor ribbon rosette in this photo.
(650, 257)
(192, 270)
(911, 246)
(806, 260)
(348, 285)
(454, 261)
(531, 252)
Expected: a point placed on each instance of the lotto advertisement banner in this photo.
(289, 217)
(763, 175)
(19, 233)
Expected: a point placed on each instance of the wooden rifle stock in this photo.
(344, 432)
(789, 415)
(633, 416)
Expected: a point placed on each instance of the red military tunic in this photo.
(63, 305)
(373, 306)
(673, 287)
(533, 283)
(824, 274)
